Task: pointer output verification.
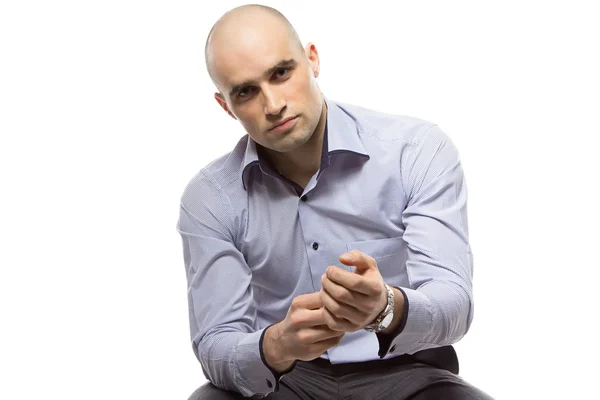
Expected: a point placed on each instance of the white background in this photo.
(106, 112)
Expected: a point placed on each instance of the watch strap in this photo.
(376, 325)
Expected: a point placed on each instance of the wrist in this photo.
(385, 317)
(398, 311)
(274, 352)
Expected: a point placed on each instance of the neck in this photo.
(302, 163)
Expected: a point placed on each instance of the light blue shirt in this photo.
(390, 186)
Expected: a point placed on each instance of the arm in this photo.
(437, 307)
(221, 309)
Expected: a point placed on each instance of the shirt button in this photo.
(303, 198)
(315, 246)
(393, 349)
(269, 384)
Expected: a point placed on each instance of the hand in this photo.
(352, 300)
(302, 335)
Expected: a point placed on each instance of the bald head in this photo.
(250, 24)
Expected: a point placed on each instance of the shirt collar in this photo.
(341, 136)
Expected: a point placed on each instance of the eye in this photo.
(281, 72)
(245, 92)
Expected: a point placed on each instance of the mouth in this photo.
(285, 124)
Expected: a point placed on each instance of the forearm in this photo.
(439, 313)
(273, 353)
(451, 306)
(232, 361)
(225, 337)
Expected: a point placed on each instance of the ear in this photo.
(221, 100)
(313, 58)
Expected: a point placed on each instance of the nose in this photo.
(274, 103)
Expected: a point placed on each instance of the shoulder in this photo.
(207, 187)
(388, 127)
(412, 141)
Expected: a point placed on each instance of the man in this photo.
(327, 255)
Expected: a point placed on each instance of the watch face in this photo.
(387, 320)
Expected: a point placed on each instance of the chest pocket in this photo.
(390, 255)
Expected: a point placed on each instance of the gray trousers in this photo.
(400, 378)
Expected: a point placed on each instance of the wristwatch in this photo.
(384, 319)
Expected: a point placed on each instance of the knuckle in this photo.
(303, 337)
(335, 325)
(339, 293)
(350, 297)
(330, 323)
(343, 295)
(375, 287)
(331, 274)
(323, 314)
(319, 299)
(295, 303)
(297, 319)
(335, 307)
(357, 253)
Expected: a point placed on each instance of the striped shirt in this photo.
(391, 186)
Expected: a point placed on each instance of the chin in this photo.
(286, 147)
(299, 137)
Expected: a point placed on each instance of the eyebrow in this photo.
(281, 64)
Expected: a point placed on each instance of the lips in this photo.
(282, 122)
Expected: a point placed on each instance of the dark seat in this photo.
(208, 391)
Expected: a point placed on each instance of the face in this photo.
(265, 79)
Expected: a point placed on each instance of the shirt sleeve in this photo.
(439, 300)
(222, 314)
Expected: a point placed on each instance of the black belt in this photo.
(440, 357)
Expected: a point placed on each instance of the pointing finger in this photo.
(358, 259)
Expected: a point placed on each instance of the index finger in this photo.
(309, 318)
(350, 280)
(358, 259)
(309, 301)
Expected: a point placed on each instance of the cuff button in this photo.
(269, 384)
(393, 349)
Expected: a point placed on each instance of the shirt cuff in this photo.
(386, 339)
(253, 376)
(418, 324)
(276, 375)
